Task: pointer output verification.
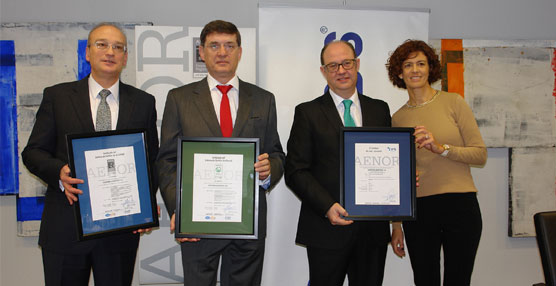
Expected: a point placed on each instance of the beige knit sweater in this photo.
(451, 121)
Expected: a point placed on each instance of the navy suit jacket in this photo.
(66, 109)
(313, 170)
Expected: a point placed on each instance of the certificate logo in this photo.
(218, 173)
(111, 166)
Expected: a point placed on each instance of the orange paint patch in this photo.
(452, 44)
(455, 78)
(452, 65)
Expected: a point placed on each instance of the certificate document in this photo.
(112, 179)
(217, 187)
(377, 174)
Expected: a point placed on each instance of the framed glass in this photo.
(378, 173)
(334, 67)
(217, 188)
(117, 196)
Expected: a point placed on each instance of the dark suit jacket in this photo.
(65, 109)
(313, 170)
(189, 111)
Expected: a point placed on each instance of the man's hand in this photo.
(173, 227)
(335, 213)
(68, 182)
(263, 166)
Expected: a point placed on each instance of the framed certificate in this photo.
(217, 188)
(378, 173)
(117, 197)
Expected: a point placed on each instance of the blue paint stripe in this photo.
(83, 66)
(9, 168)
(29, 208)
(7, 59)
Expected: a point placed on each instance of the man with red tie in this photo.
(221, 105)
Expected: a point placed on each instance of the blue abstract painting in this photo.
(44, 54)
(8, 120)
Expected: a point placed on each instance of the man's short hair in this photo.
(104, 24)
(337, 41)
(219, 26)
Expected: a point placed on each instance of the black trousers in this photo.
(362, 260)
(242, 262)
(451, 221)
(110, 267)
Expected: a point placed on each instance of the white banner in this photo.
(290, 41)
(167, 58)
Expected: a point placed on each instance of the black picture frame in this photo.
(125, 181)
(376, 156)
(214, 222)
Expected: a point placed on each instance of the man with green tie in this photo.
(335, 246)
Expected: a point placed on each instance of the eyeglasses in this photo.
(334, 67)
(229, 47)
(117, 48)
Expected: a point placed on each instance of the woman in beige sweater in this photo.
(448, 142)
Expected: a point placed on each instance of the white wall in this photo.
(501, 260)
(470, 19)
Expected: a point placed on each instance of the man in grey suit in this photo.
(74, 107)
(221, 105)
(335, 246)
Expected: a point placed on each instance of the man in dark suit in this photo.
(73, 107)
(221, 105)
(335, 246)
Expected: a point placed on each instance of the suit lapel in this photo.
(244, 108)
(82, 105)
(367, 115)
(126, 103)
(330, 111)
(203, 100)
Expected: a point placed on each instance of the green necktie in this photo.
(348, 120)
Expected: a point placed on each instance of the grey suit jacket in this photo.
(189, 111)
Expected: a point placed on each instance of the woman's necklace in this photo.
(424, 103)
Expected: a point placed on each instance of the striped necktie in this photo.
(104, 121)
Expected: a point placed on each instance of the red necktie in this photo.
(225, 114)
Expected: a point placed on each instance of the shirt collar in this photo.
(95, 88)
(212, 82)
(338, 99)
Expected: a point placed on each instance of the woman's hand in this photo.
(424, 138)
(397, 239)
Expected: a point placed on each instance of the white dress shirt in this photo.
(355, 108)
(233, 96)
(113, 100)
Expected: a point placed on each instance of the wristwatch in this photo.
(446, 150)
